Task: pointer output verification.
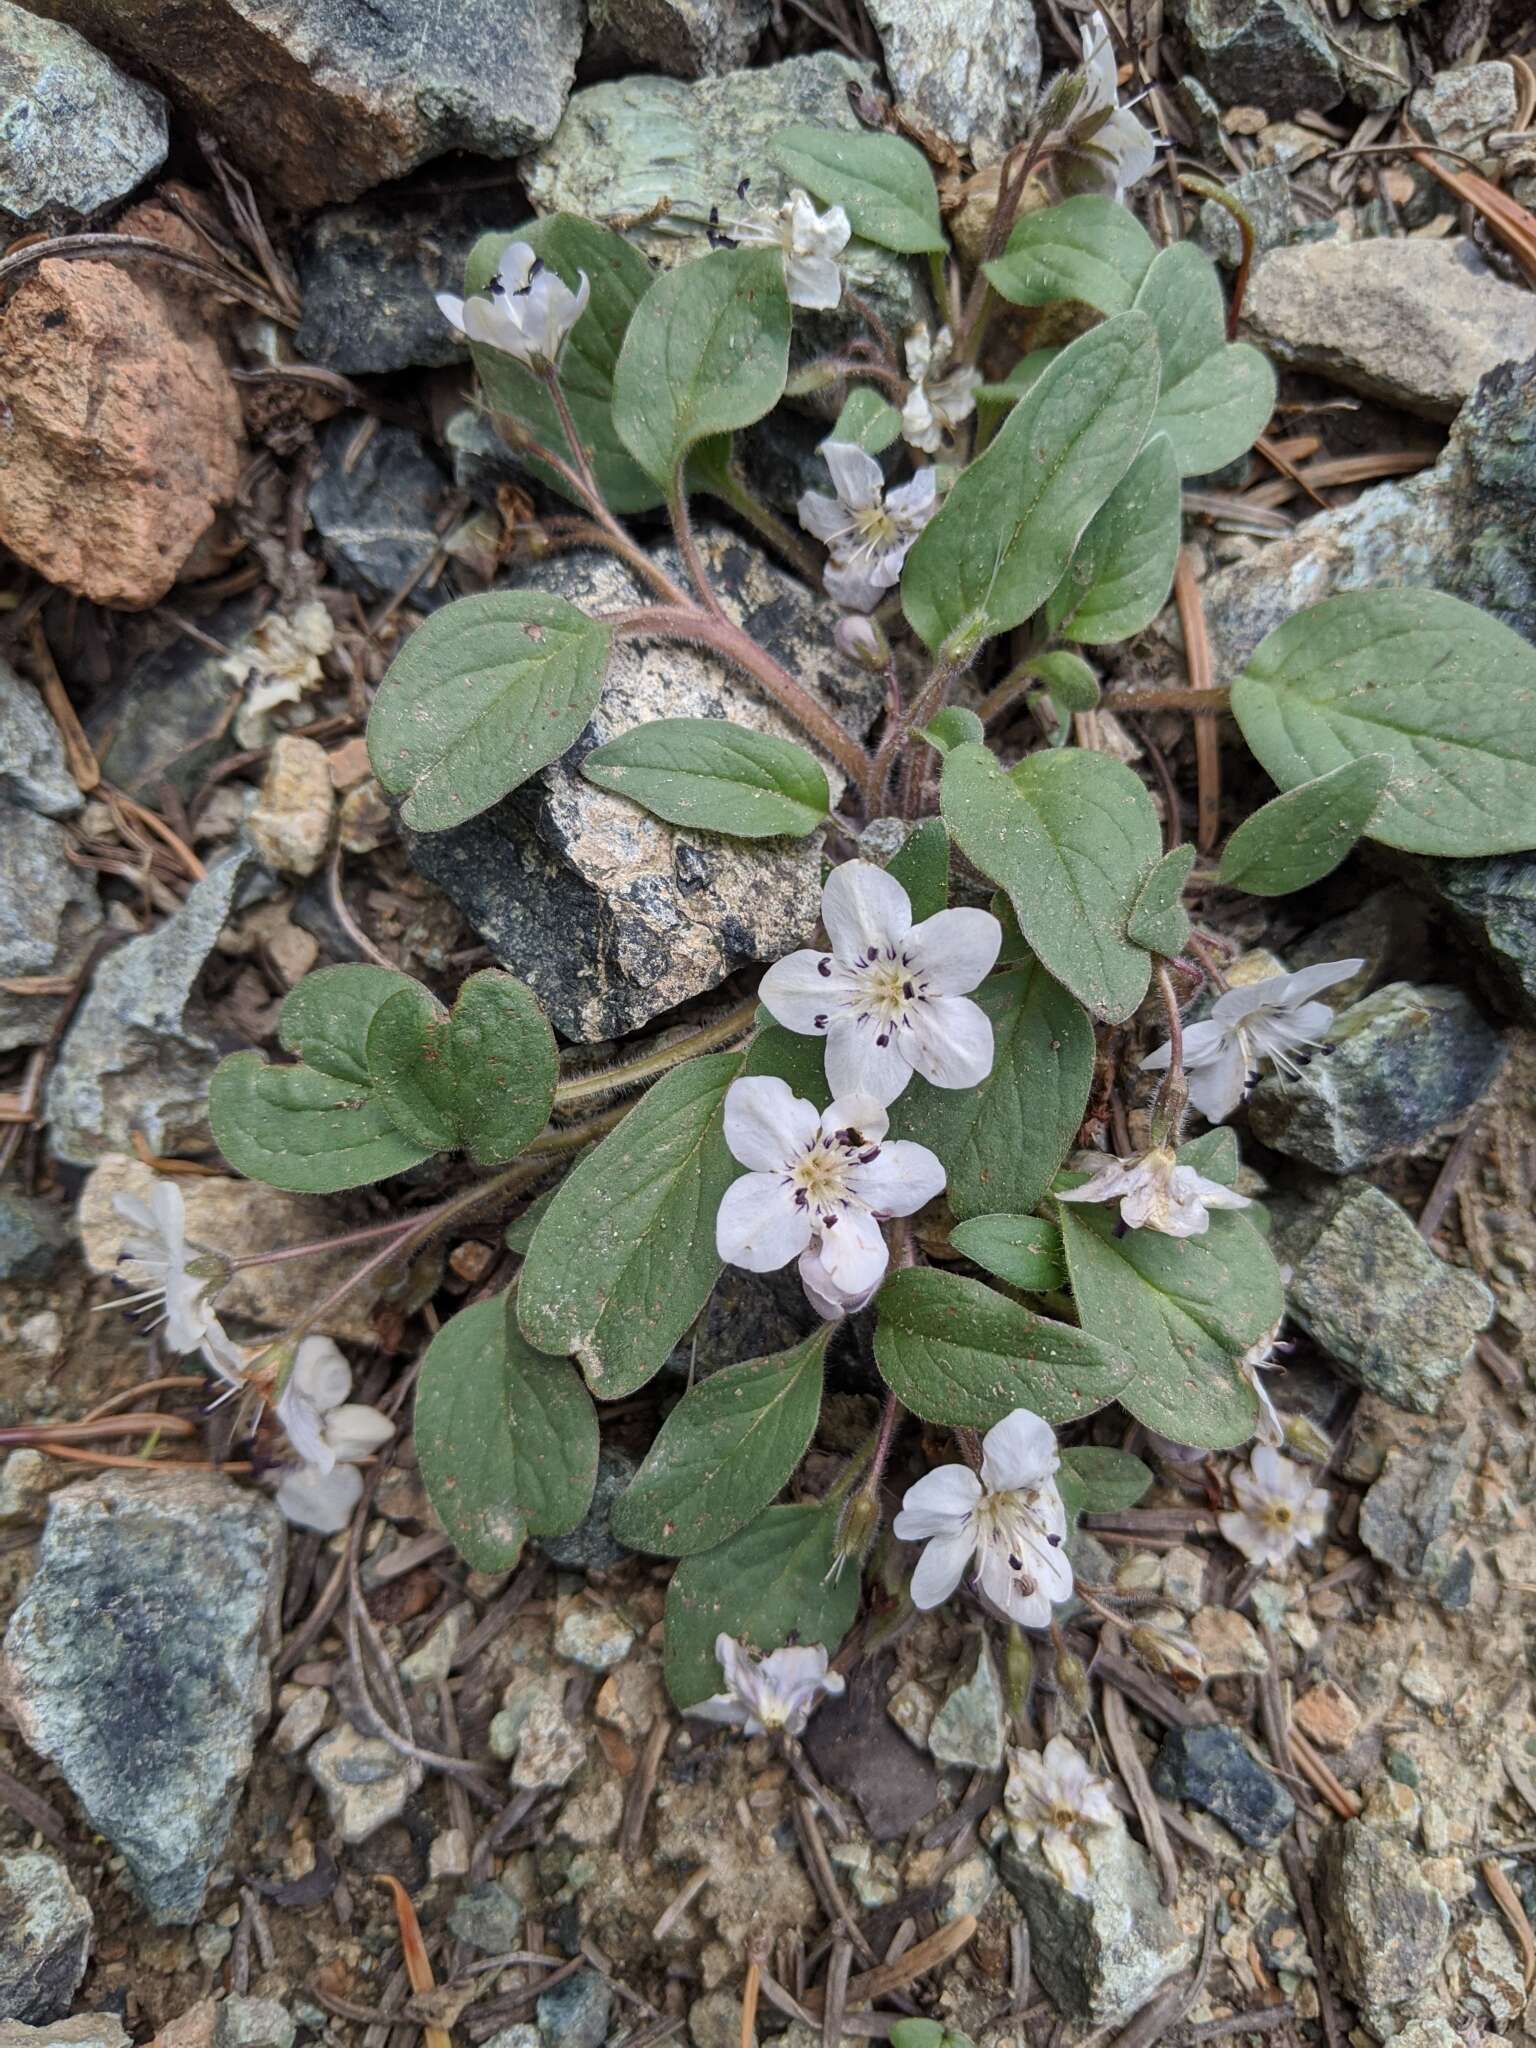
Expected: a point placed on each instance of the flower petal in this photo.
(955, 950)
(759, 1226)
(860, 1115)
(940, 1569)
(914, 503)
(1217, 1084)
(1308, 981)
(852, 1249)
(1103, 1185)
(723, 1706)
(826, 517)
(320, 1500)
(451, 306)
(814, 282)
(899, 1180)
(950, 1041)
(823, 1294)
(767, 1126)
(320, 1373)
(803, 990)
(354, 1430)
(864, 908)
(1017, 1452)
(859, 589)
(856, 476)
(863, 1058)
(1004, 1588)
(941, 1503)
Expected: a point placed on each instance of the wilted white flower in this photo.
(1056, 1799)
(1260, 1358)
(776, 1694)
(1278, 1508)
(277, 661)
(940, 397)
(818, 1188)
(1011, 1520)
(867, 529)
(891, 997)
(1275, 1019)
(1156, 1193)
(1122, 151)
(526, 310)
(329, 1434)
(810, 242)
(187, 1279)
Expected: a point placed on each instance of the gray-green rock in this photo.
(969, 68)
(78, 134)
(168, 718)
(575, 2014)
(488, 1918)
(33, 1233)
(1266, 53)
(685, 38)
(33, 770)
(45, 1937)
(969, 1730)
(1374, 63)
(1405, 1518)
(1102, 1953)
(592, 1546)
(1494, 903)
(1214, 1769)
(138, 1056)
(377, 520)
(1265, 196)
(49, 915)
(252, 2023)
(1462, 107)
(1388, 1923)
(1392, 1316)
(85, 2030)
(137, 1663)
(1395, 1069)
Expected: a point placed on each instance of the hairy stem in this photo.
(660, 1059)
(688, 547)
(573, 439)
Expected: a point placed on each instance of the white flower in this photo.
(818, 1188)
(867, 532)
(185, 1285)
(1278, 1508)
(940, 398)
(1054, 1799)
(1274, 1019)
(891, 996)
(811, 243)
(329, 1433)
(526, 310)
(1260, 1358)
(1123, 152)
(1156, 1193)
(1011, 1520)
(778, 1693)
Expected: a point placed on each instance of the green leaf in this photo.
(799, 1061)
(518, 1234)
(1296, 839)
(922, 868)
(1090, 249)
(625, 1257)
(723, 1453)
(302, 1130)
(1108, 1481)
(1215, 396)
(619, 277)
(955, 1351)
(1185, 1309)
(714, 776)
(1158, 919)
(324, 1022)
(484, 693)
(769, 1584)
(1024, 374)
(506, 1439)
(1071, 836)
(707, 351)
(883, 184)
(482, 1078)
(1445, 691)
(952, 727)
(867, 421)
(1214, 1155)
(1003, 1140)
(1023, 1250)
(1068, 678)
(1003, 538)
(1121, 575)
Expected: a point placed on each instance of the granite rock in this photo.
(1388, 1923)
(685, 38)
(1265, 196)
(1267, 53)
(1214, 1769)
(33, 1233)
(1460, 108)
(1405, 1517)
(137, 1664)
(252, 2023)
(366, 1782)
(85, 2030)
(33, 771)
(78, 135)
(290, 824)
(965, 67)
(45, 1938)
(1494, 903)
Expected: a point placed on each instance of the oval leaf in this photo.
(410, 1070)
(715, 777)
(1090, 248)
(1006, 533)
(1296, 839)
(1023, 1250)
(1158, 919)
(867, 420)
(707, 351)
(305, 1131)
(955, 1351)
(485, 693)
(1107, 1481)
(724, 1452)
(1215, 397)
(1442, 689)
(1072, 837)
(883, 184)
(1121, 575)
(1068, 678)
(625, 1256)
(772, 1583)
(325, 1020)
(482, 1078)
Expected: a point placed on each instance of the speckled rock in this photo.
(33, 1233)
(33, 771)
(1405, 1518)
(575, 2014)
(685, 38)
(1388, 1924)
(1398, 1067)
(365, 1780)
(49, 916)
(78, 135)
(1394, 1318)
(596, 1638)
(1265, 196)
(1267, 53)
(45, 1937)
(140, 1050)
(290, 824)
(1413, 322)
(325, 99)
(137, 1663)
(1462, 107)
(1099, 1954)
(966, 67)
(1494, 903)
(488, 1918)
(968, 1730)
(252, 2023)
(610, 915)
(1214, 1769)
(85, 2030)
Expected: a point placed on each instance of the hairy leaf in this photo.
(1215, 396)
(714, 776)
(922, 868)
(883, 184)
(1089, 248)
(296, 1128)
(1296, 839)
(1121, 575)
(1023, 1250)
(1158, 919)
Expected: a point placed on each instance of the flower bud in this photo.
(861, 640)
(1056, 108)
(1303, 1436)
(1018, 1672)
(1072, 1679)
(857, 1528)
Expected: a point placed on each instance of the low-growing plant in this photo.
(900, 1108)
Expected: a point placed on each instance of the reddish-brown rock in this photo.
(121, 430)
